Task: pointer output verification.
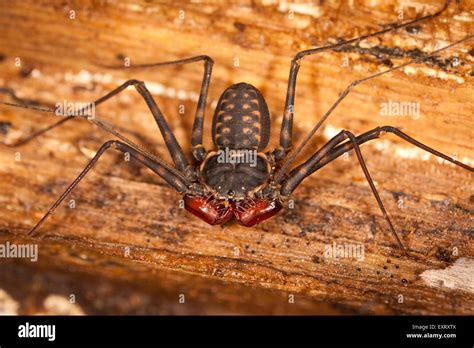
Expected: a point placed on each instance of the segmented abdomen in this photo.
(241, 119)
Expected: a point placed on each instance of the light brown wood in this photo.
(126, 247)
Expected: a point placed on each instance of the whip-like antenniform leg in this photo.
(286, 133)
(173, 146)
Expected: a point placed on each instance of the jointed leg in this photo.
(292, 156)
(180, 160)
(286, 133)
(162, 171)
(375, 134)
(198, 150)
(333, 149)
(175, 150)
(304, 170)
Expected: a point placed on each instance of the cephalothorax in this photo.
(238, 179)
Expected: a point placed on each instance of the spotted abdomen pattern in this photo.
(241, 119)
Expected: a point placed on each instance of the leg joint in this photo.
(388, 129)
(207, 59)
(348, 134)
(114, 144)
(135, 82)
(199, 152)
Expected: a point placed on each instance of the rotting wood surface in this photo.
(127, 247)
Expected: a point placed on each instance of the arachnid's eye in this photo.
(211, 211)
(253, 212)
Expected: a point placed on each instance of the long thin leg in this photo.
(29, 137)
(174, 149)
(333, 149)
(198, 149)
(376, 134)
(162, 171)
(292, 156)
(301, 172)
(104, 126)
(35, 105)
(12, 94)
(197, 133)
(286, 133)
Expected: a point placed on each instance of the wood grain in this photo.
(128, 248)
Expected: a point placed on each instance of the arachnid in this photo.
(239, 179)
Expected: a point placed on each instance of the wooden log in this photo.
(121, 244)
